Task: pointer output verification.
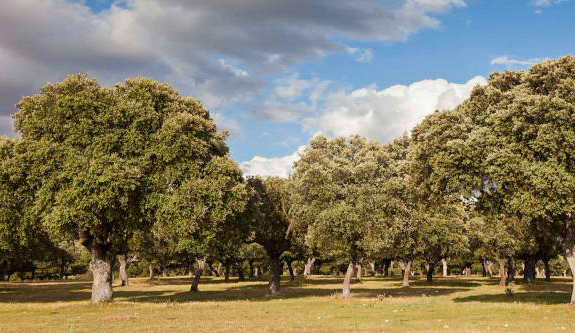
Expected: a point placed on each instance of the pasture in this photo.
(453, 304)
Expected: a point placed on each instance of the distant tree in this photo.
(272, 210)
(345, 198)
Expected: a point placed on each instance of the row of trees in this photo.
(137, 170)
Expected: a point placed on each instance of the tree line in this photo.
(138, 173)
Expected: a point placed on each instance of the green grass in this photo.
(378, 305)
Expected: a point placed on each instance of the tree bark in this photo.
(227, 272)
(290, 270)
(547, 269)
(358, 270)
(501, 272)
(275, 275)
(372, 267)
(510, 271)
(391, 268)
(444, 265)
(346, 292)
(251, 273)
(151, 271)
(240, 270)
(101, 266)
(309, 266)
(430, 271)
(406, 272)
(123, 269)
(529, 270)
(570, 256)
(198, 274)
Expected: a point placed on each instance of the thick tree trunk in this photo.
(123, 269)
(444, 265)
(198, 274)
(101, 266)
(372, 267)
(529, 269)
(275, 275)
(406, 272)
(483, 268)
(430, 271)
(358, 271)
(547, 269)
(151, 271)
(391, 268)
(501, 272)
(510, 271)
(347, 280)
(290, 270)
(570, 256)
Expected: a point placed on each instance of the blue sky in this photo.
(275, 73)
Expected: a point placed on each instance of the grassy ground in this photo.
(378, 305)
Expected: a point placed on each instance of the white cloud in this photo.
(360, 55)
(508, 61)
(546, 3)
(386, 114)
(291, 87)
(274, 166)
(180, 41)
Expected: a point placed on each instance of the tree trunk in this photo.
(151, 271)
(240, 270)
(123, 269)
(502, 272)
(101, 265)
(391, 268)
(489, 270)
(257, 272)
(358, 270)
(198, 274)
(529, 270)
(430, 271)
(406, 272)
(227, 272)
(372, 267)
(547, 269)
(309, 266)
(251, 273)
(570, 256)
(444, 264)
(275, 275)
(483, 268)
(510, 271)
(347, 280)
(290, 270)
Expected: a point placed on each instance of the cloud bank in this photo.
(377, 114)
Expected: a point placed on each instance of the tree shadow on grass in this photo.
(548, 297)
(254, 291)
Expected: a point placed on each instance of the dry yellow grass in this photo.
(378, 305)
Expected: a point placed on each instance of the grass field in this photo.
(459, 304)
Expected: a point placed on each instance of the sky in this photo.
(274, 73)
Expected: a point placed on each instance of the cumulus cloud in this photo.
(183, 42)
(274, 166)
(509, 61)
(386, 114)
(377, 114)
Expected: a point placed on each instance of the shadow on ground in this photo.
(68, 291)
